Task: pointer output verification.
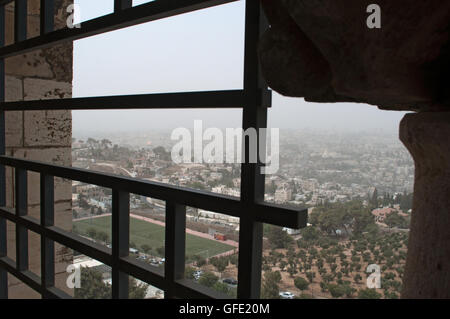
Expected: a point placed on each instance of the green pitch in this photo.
(146, 233)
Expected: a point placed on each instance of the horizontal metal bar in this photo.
(206, 99)
(28, 222)
(80, 244)
(281, 215)
(32, 280)
(122, 4)
(70, 240)
(152, 275)
(189, 197)
(263, 212)
(55, 293)
(143, 271)
(146, 12)
(26, 276)
(189, 289)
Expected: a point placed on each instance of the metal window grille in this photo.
(254, 98)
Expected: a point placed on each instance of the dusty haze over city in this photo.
(187, 53)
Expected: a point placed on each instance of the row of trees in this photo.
(271, 280)
(92, 286)
(334, 251)
(210, 280)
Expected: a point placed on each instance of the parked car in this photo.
(154, 262)
(286, 295)
(230, 281)
(197, 274)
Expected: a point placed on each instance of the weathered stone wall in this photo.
(39, 135)
(324, 51)
(427, 271)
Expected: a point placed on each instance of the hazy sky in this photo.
(202, 50)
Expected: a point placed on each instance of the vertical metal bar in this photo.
(21, 210)
(252, 181)
(122, 4)
(175, 247)
(3, 230)
(47, 219)
(47, 16)
(20, 20)
(120, 241)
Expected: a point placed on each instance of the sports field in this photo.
(142, 232)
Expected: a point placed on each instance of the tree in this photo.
(310, 233)
(368, 294)
(161, 250)
(277, 237)
(105, 143)
(92, 232)
(219, 262)
(146, 248)
(92, 142)
(283, 265)
(136, 290)
(310, 275)
(234, 259)
(92, 285)
(221, 287)
(208, 279)
(199, 260)
(189, 273)
(374, 198)
(271, 188)
(333, 267)
(292, 270)
(349, 291)
(102, 236)
(82, 201)
(362, 220)
(161, 153)
(395, 220)
(336, 291)
(270, 283)
(301, 283)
